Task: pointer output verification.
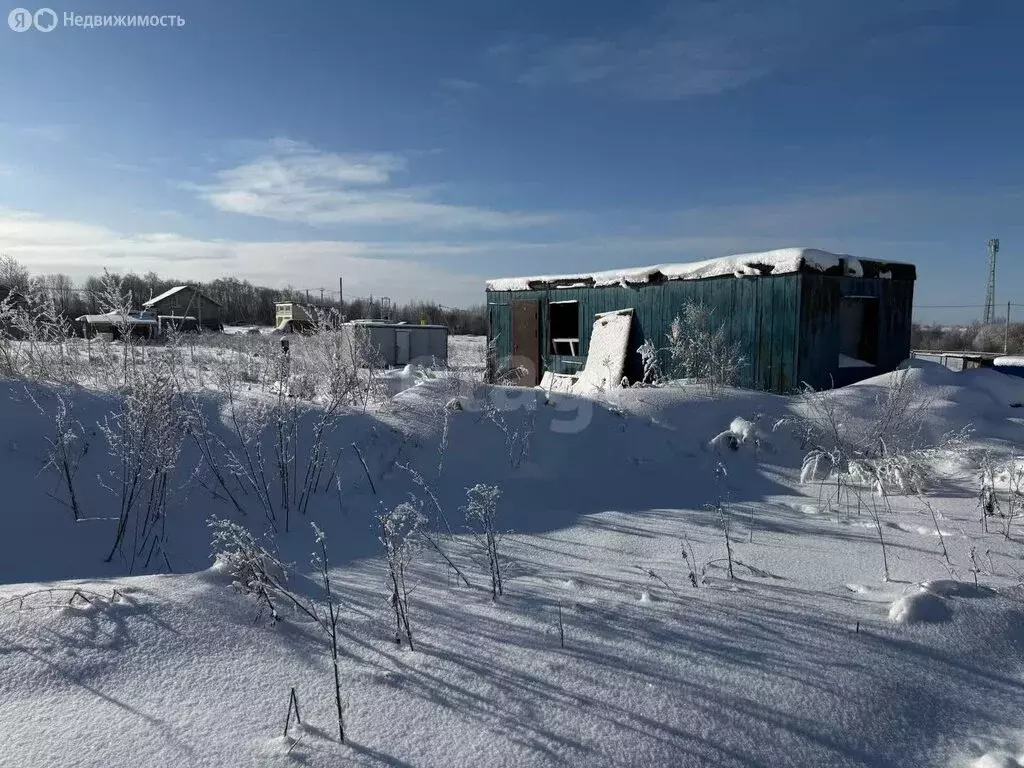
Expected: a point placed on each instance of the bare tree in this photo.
(13, 274)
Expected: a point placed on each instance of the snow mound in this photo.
(929, 604)
(921, 606)
(951, 588)
(999, 758)
(740, 432)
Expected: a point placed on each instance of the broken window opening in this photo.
(564, 328)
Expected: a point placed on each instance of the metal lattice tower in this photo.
(990, 294)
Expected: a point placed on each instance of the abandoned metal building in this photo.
(797, 315)
(187, 301)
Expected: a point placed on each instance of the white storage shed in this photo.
(399, 344)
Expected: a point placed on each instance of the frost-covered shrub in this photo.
(699, 349)
(36, 340)
(399, 535)
(144, 436)
(254, 569)
(884, 447)
(651, 365)
(481, 511)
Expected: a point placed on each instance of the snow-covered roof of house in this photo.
(176, 289)
(777, 262)
(113, 318)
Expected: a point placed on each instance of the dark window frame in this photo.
(563, 318)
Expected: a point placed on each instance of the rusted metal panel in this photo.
(526, 341)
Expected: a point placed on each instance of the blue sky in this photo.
(419, 148)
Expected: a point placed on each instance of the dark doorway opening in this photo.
(858, 325)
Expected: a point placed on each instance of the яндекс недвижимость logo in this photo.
(46, 20)
(22, 19)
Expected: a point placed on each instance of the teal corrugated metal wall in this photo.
(787, 326)
(759, 313)
(821, 296)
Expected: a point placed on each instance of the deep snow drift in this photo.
(806, 658)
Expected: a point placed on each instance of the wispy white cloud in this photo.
(402, 270)
(458, 85)
(292, 181)
(51, 134)
(893, 224)
(702, 48)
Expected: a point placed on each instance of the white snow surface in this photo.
(781, 261)
(795, 662)
(845, 361)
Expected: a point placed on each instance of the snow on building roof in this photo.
(113, 318)
(777, 262)
(176, 289)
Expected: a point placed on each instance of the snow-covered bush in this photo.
(67, 448)
(399, 535)
(36, 340)
(872, 453)
(313, 384)
(254, 569)
(884, 447)
(651, 365)
(699, 349)
(257, 571)
(481, 511)
(144, 436)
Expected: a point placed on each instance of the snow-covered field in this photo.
(620, 638)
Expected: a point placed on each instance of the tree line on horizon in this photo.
(243, 302)
(975, 337)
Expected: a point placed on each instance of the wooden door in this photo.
(526, 342)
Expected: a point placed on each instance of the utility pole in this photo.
(321, 295)
(1006, 331)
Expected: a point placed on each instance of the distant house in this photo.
(187, 301)
(140, 324)
(798, 315)
(292, 316)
